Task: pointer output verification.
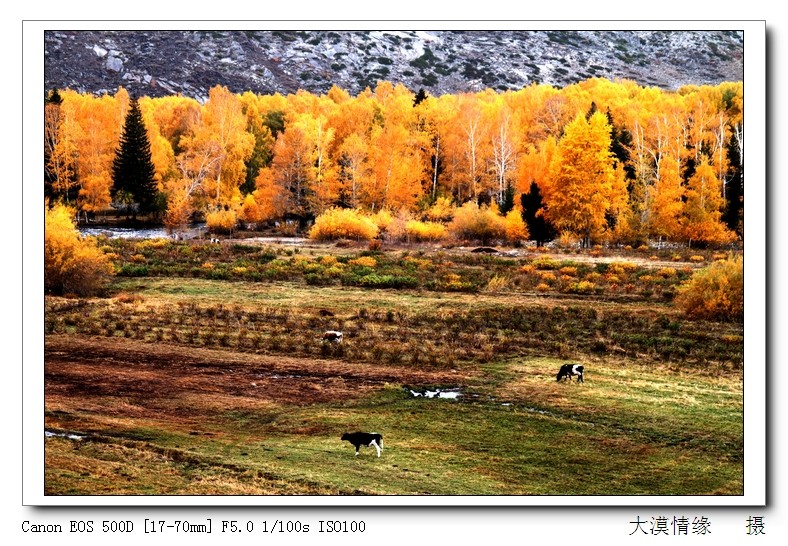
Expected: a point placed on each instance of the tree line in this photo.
(599, 160)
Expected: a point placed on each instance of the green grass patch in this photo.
(626, 431)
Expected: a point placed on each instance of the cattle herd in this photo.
(375, 439)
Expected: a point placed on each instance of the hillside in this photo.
(157, 63)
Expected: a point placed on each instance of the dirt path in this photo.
(79, 366)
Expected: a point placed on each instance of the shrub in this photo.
(515, 228)
(453, 282)
(666, 272)
(477, 223)
(221, 221)
(425, 231)
(364, 261)
(71, 265)
(343, 224)
(496, 284)
(582, 287)
(373, 280)
(594, 277)
(715, 292)
(383, 219)
(441, 211)
(567, 239)
(133, 270)
(621, 268)
(546, 263)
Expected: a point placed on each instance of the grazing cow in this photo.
(332, 336)
(568, 370)
(359, 439)
(215, 240)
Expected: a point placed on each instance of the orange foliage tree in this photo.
(303, 153)
(580, 188)
(702, 210)
(72, 265)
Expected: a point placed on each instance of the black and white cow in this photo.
(359, 439)
(332, 336)
(568, 370)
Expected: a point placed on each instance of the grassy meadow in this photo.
(202, 372)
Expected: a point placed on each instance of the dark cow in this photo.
(359, 439)
(332, 336)
(568, 370)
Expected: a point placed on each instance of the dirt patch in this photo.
(162, 380)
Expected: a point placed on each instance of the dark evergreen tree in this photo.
(734, 190)
(275, 121)
(133, 182)
(507, 203)
(539, 228)
(420, 96)
(261, 157)
(620, 144)
(591, 111)
(54, 97)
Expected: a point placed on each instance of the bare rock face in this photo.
(157, 63)
(114, 64)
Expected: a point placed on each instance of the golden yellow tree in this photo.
(59, 150)
(534, 164)
(474, 143)
(354, 162)
(435, 115)
(91, 132)
(72, 265)
(580, 188)
(702, 210)
(504, 146)
(665, 201)
(291, 168)
(222, 129)
(397, 169)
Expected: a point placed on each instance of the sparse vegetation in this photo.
(493, 326)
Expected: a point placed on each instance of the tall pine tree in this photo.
(539, 228)
(133, 182)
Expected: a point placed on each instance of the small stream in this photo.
(191, 232)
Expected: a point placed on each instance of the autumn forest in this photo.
(598, 161)
(466, 246)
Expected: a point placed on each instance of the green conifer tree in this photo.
(133, 182)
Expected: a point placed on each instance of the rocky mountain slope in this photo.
(157, 63)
